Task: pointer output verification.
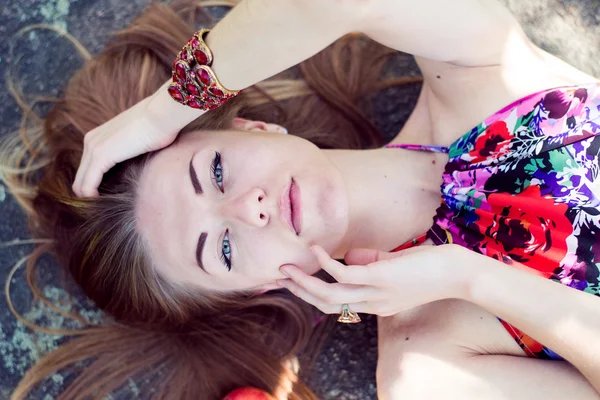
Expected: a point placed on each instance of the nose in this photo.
(249, 207)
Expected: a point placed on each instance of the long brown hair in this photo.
(195, 346)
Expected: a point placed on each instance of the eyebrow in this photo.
(199, 249)
(194, 178)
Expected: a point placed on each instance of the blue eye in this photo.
(226, 251)
(216, 170)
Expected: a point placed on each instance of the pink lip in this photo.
(296, 202)
(289, 208)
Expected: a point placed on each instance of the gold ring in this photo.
(348, 316)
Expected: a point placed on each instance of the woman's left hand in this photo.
(382, 283)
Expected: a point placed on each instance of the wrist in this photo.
(461, 271)
(167, 114)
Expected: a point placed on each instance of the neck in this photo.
(393, 195)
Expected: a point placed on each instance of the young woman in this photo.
(187, 247)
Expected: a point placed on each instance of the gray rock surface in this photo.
(346, 369)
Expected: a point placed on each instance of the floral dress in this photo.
(523, 187)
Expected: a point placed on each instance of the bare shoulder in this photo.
(474, 56)
(460, 97)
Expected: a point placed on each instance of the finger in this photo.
(362, 307)
(330, 293)
(92, 180)
(81, 171)
(308, 297)
(94, 174)
(84, 163)
(342, 273)
(369, 256)
(327, 308)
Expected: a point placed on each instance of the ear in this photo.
(267, 287)
(256, 126)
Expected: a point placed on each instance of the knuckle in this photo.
(328, 298)
(104, 167)
(89, 138)
(95, 152)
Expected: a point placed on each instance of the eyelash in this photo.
(216, 170)
(226, 254)
(216, 167)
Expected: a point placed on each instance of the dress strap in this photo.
(418, 147)
(413, 243)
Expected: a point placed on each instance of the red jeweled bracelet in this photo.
(194, 82)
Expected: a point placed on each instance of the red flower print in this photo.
(248, 393)
(494, 142)
(530, 346)
(528, 228)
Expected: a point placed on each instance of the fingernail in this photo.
(285, 131)
(285, 270)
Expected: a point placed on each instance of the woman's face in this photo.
(225, 210)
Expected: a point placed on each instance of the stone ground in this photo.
(346, 369)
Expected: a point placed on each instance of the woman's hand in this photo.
(564, 319)
(382, 283)
(129, 134)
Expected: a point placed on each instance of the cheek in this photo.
(268, 253)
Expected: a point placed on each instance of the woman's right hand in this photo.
(129, 134)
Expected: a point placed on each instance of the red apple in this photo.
(248, 393)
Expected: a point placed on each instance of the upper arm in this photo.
(462, 32)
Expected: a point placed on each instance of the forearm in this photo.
(258, 39)
(563, 319)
